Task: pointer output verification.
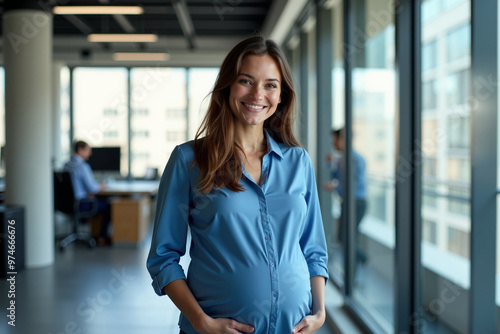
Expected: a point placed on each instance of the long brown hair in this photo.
(217, 154)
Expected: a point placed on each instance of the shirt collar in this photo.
(273, 145)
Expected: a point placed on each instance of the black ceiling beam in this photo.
(120, 19)
(185, 21)
(79, 24)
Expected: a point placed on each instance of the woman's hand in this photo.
(210, 325)
(183, 298)
(309, 324)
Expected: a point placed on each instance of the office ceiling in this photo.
(209, 18)
(210, 26)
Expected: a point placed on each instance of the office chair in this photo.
(78, 210)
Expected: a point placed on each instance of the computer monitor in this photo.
(105, 159)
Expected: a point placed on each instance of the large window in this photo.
(65, 115)
(374, 145)
(2, 121)
(335, 244)
(158, 106)
(312, 91)
(201, 82)
(446, 164)
(166, 108)
(101, 108)
(449, 132)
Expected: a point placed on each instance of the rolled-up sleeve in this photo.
(170, 224)
(312, 239)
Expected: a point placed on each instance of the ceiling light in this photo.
(141, 56)
(124, 38)
(98, 10)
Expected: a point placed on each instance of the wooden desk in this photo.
(130, 188)
(131, 208)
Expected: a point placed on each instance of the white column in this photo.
(27, 47)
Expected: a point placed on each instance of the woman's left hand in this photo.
(309, 324)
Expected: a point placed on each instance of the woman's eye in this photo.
(272, 86)
(245, 81)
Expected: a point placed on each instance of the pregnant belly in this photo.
(249, 295)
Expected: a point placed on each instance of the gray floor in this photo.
(104, 290)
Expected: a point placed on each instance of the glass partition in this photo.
(201, 82)
(101, 108)
(446, 165)
(66, 148)
(373, 164)
(2, 122)
(335, 246)
(158, 117)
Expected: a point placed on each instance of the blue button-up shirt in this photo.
(82, 177)
(252, 252)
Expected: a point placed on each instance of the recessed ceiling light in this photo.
(141, 56)
(123, 38)
(98, 10)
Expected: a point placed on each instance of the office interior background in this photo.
(414, 83)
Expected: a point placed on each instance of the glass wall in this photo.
(101, 108)
(374, 145)
(335, 246)
(66, 148)
(200, 85)
(166, 108)
(446, 40)
(158, 116)
(446, 165)
(312, 79)
(2, 122)
(295, 55)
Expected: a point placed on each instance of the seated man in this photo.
(85, 185)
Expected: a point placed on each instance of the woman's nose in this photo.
(257, 92)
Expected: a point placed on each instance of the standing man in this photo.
(85, 185)
(359, 186)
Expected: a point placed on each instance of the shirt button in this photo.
(275, 294)
(267, 237)
(272, 265)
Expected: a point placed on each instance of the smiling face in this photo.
(256, 93)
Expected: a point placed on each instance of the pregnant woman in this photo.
(247, 192)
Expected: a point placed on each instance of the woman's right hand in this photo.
(210, 325)
(183, 298)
